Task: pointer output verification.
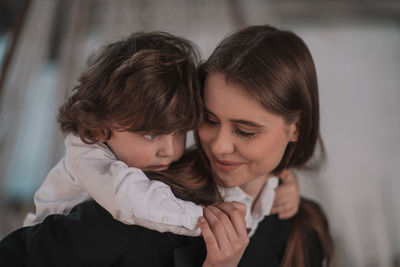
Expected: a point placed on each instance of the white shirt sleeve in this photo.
(58, 194)
(127, 193)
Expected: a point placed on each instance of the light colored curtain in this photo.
(26, 98)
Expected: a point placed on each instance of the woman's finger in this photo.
(236, 212)
(208, 236)
(217, 227)
(239, 205)
(225, 247)
(226, 222)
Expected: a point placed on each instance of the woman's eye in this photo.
(150, 136)
(209, 121)
(243, 133)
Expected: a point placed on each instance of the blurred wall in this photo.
(355, 45)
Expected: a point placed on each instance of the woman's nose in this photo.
(166, 148)
(222, 142)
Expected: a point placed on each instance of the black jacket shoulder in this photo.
(89, 236)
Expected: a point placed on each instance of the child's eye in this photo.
(150, 136)
(243, 134)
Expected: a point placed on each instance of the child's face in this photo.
(147, 152)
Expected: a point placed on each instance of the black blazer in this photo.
(89, 236)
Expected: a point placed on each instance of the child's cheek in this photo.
(144, 159)
(139, 157)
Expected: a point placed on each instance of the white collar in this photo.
(262, 206)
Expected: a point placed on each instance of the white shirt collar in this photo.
(262, 206)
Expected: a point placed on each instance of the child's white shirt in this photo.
(93, 172)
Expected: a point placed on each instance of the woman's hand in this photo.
(287, 196)
(224, 231)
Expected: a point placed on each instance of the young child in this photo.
(129, 113)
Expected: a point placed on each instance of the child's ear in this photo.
(100, 136)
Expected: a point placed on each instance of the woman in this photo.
(262, 116)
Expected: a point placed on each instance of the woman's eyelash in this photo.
(209, 121)
(243, 133)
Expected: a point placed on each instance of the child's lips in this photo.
(158, 167)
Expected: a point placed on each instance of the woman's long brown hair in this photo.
(310, 221)
(190, 178)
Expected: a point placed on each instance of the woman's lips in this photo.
(226, 165)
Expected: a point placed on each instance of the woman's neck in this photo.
(254, 187)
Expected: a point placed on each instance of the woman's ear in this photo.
(293, 132)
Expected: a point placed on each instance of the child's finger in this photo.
(287, 214)
(282, 207)
(274, 210)
(286, 206)
(287, 203)
(281, 200)
(286, 193)
(208, 236)
(287, 199)
(288, 209)
(285, 187)
(283, 175)
(277, 209)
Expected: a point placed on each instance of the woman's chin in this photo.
(223, 183)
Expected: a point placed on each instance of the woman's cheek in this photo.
(179, 145)
(205, 134)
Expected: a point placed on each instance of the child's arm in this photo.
(128, 194)
(287, 196)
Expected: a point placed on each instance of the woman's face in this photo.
(242, 140)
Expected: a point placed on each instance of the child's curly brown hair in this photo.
(145, 83)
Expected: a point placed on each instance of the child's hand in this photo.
(287, 196)
(224, 231)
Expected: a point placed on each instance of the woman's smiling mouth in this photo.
(226, 165)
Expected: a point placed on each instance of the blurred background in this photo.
(356, 48)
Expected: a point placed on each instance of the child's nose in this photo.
(166, 148)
